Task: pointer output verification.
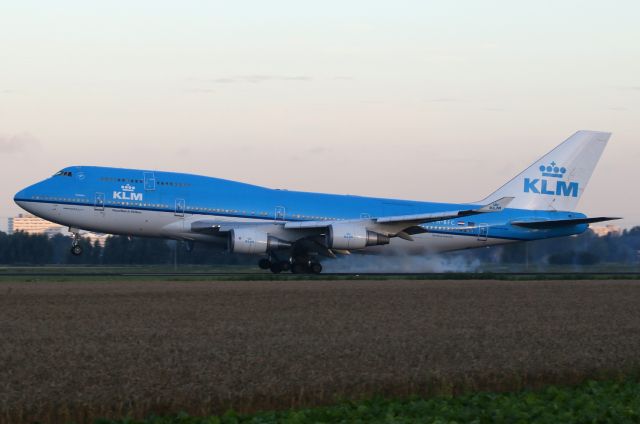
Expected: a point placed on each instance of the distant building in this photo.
(33, 225)
(601, 231)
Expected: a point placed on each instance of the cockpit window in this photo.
(63, 174)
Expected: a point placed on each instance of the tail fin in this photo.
(558, 179)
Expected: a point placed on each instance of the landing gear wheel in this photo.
(276, 268)
(264, 263)
(315, 268)
(285, 265)
(76, 250)
(299, 268)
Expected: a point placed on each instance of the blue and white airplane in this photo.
(294, 230)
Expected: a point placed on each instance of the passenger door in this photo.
(149, 181)
(98, 204)
(483, 232)
(180, 207)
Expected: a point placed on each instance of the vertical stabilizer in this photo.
(558, 179)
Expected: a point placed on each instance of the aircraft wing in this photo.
(311, 235)
(409, 220)
(496, 206)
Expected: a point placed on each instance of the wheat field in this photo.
(74, 351)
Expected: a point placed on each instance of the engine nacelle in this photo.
(253, 241)
(352, 237)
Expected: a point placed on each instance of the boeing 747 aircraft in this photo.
(294, 230)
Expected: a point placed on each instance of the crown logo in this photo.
(553, 170)
(128, 187)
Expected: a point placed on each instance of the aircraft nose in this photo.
(21, 195)
(24, 195)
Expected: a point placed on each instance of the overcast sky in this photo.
(440, 101)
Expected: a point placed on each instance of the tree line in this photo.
(26, 249)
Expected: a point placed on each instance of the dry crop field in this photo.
(78, 350)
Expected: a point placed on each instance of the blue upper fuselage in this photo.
(199, 195)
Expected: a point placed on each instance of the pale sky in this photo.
(439, 101)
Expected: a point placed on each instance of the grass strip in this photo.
(591, 402)
(323, 277)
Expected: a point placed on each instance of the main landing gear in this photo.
(295, 266)
(276, 266)
(306, 267)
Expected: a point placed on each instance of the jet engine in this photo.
(252, 241)
(346, 236)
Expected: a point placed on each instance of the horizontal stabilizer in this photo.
(546, 225)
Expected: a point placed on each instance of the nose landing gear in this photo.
(76, 249)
